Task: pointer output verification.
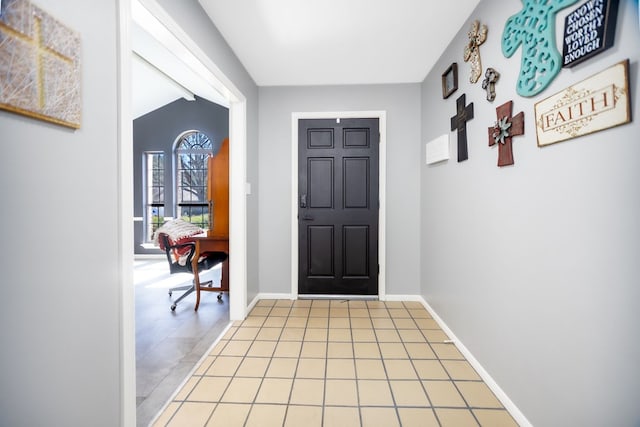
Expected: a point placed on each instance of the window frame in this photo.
(148, 223)
(181, 205)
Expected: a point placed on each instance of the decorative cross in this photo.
(477, 36)
(534, 27)
(459, 123)
(505, 128)
(40, 59)
(491, 76)
(41, 51)
(46, 51)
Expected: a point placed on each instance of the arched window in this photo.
(190, 165)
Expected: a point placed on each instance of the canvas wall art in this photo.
(39, 65)
(437, 150)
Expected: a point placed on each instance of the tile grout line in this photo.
(353, 359)
(264, 376)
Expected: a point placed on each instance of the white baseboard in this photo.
(252, 304)
(274, 296)
(388, 297)
(258, 297)
(495, 388)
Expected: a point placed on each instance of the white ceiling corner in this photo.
(302, 42)
(323, 42)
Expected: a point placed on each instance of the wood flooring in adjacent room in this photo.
(170, 344)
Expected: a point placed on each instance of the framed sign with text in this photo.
(597, 103)
(588, 30)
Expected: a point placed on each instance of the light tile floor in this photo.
(335, 363)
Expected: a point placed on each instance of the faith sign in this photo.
(589, 30)
(597, 103)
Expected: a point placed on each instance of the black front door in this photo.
(338, 206)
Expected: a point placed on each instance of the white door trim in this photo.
(191, 54)
(382, 189)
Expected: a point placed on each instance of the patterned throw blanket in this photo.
(178, 231)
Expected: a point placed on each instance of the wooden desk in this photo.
(206, 243)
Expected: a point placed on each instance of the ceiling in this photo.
(322, 42)
(159, 73)
(302, 42)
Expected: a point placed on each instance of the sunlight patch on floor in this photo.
(154, 276)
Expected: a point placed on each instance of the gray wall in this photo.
(61, 319)
(194, 21)
(535, 266)
(402, 104)
(60, 316)
(157, 131)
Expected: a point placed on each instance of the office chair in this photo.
(179, 256)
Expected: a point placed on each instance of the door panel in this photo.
(356, 248)
(356, 137)
(338, 206)
(321, 183)
(356, 183)
(320, 251)
(320, 138)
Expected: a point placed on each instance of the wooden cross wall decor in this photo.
(459, 123)
(477, 36)
(502, 131)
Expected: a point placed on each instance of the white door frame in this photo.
(382, 189)
(169, 32)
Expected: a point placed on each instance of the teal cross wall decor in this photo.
(534, 28)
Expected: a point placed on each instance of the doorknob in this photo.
(303, 201)
(307, 217)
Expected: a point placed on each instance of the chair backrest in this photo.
(180, 255)
(173, 256)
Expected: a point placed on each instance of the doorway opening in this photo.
(162, 26)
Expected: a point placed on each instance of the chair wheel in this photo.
(170, 293)
(173, 307)
(220, 297)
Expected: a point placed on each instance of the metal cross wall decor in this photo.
(534, 28)
(477, 36)
(459, 123)
(503, 130)
(491, 76)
